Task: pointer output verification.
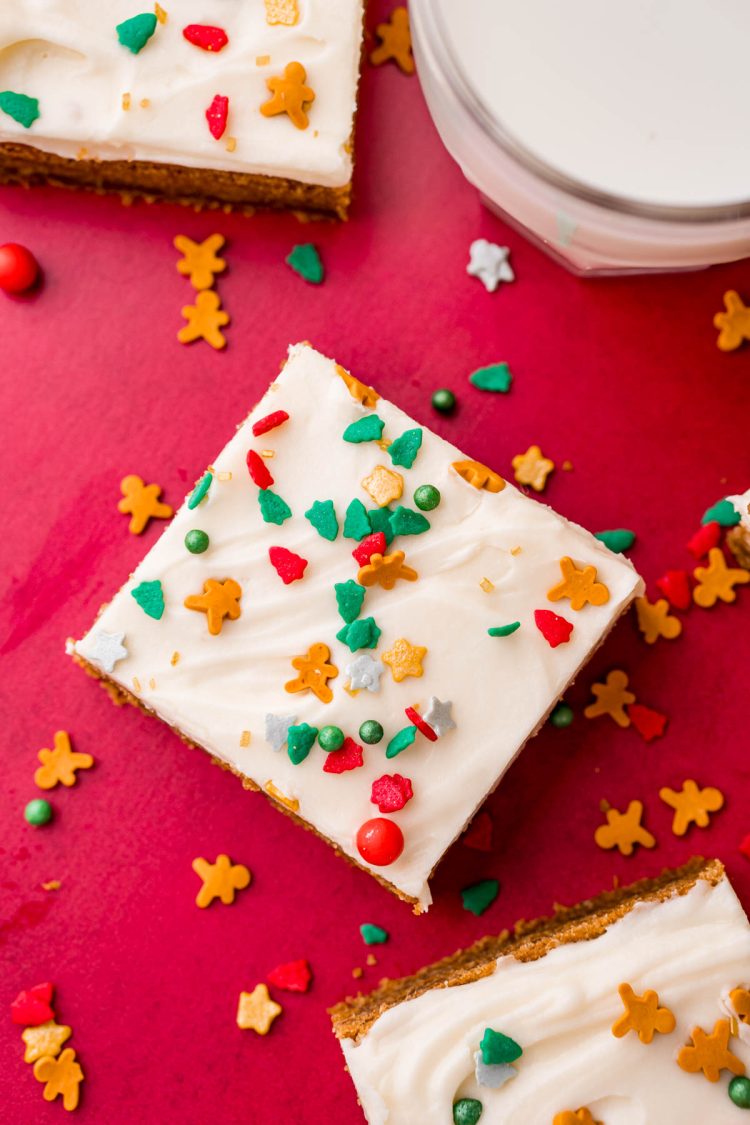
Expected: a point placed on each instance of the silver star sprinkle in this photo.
(492, 1075)
(438, 716)
(108, 649)
(277, 729)
(364, 672)
(489, 262)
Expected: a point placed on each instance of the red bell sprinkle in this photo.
(270, 422)
(258, 470)
(555, 629)
(371, 545)
(380, 841)
(216, 116)
(294, 976)
(675, 587)
(650, 724)
(479, 834)
(288, 566)
(391, 792)
(205, 37)
(744, 847)
(33, 1006)
(703, 540)
(349, 757)
(417, 721)
(19, 268)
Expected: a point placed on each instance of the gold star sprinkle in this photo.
(220, 879)
(532, 468)
(404, 659)
(46, 1039)
(383, 485)
(256, 1010)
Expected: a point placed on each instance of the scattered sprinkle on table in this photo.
(619, 539)
(716, 581)
(200, 261)
(372, 934)
(691, 805)
(444, 401)
(675, 587)
(395, 42)
(655, 620)
(650, 724)
(293, 976)
(532, 468)
(204, 320)
(305, 260)
(479, 833)
(221, 879)
(496, 377)
(19, 270)
(624, 830)
(611, 698)
(489, 263)
(562, 715)
(733, 323)
(256, 1011)
(38, 812)
(479, 896)
(141, 502)
(59, 766)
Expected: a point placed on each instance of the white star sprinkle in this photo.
(364, 672)
(438, 716)
(492, 1075)
(108, 650)
(489, 262)
(277, 729)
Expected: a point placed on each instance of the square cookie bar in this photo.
(630, 1009)
(238, 103)
(375, 626)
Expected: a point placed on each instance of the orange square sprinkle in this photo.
(126, 101)
(262, 60)
(144, 103)
(487, 586)
(160, 14)
(245, 738)
(231, 144)
(175, 658)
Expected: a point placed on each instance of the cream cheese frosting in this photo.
(741, 503)
(417, 1058)
(500, 688)
(66, 54)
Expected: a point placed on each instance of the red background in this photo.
(621, 377)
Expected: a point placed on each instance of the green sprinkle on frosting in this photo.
(322, 515)
(504, 630)
(723, 513)
(356, 522)
(272, 508)
(467, 1111)
(619, 539)
(359, 634)
(496, 378)
(372, 934)
(300, 741)
(369, 428)
(427, 497)
(20, 107)
(349, 598)
(404, 449)
(305, 260)
(200, 490)
(380, 520)
(405, 521)
(479, 896)
(150, 597)
(400, 741)
(498, 1049)
(136, 32)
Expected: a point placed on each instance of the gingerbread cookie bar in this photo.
(632, 1007)
(369, 625)
(236, 103)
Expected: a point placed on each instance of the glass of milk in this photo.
(614, 133)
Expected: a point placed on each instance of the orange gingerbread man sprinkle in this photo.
(611, 698)
(385, 571)
(60, 765)
(404, 659)
(740, 1001)
(579, 586)
(284, 12)
(256, 1010)
(205, 319)
(532, 468)
(218, 600)
(314, 673)
(581, 1116)
(716, 581)
(655, 620)
(692, 805)
(290, 95)
(62, 1077)
(643, 1015)
(360, 392)
(384, 485)
(141, 502)
(624, 830)
(200, 261)
(478, 475)
(395, 42)
(46, 1040)
(220, 880)
(710, 1053)
(734, 324)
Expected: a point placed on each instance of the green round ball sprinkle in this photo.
(331, 738)
(371, 731)
(467, 1111)
(444, 401)
(739, 1092)
(562, 716)
(196, 541)
(38, 812)
(427, 497)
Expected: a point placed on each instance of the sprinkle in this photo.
(305, 261)
(710, 1053)
(331, 738)
(386, 570)
(373, 544)
(624, 830)
(395, 42)
(479, 896)
(443, 400)
(218, 600)
(479, 835)
(611, 698)
(380, 841)
(38, 812)
(643, 1015)
(532, 468)
(479, 476)
(200, 261)
(245, 737)
(619, 540)
(734, 324)
(349, 598)
(369, 428)
(205, 319)
(364, 672)
(739, 1092)
(401, 741)
(579, 586)
(136, 32)
(467, 1111)
(360, 392)
(272, 508)
(20, 107)
(371, 732)
(150, 597)
(294, 976)
(152, 683)
(33, 1006)
(62, 1077)
(496, 378)
(562, 716)
(581, 1116)
(363, 633)
(314, 673)
(217, 115)
(256, 1010)
(497, 1048)
(285, 12)
(654, 620)
(650, 724)
(59, 766)
(206, 37)
(416, 720)
(358, 973)
(403, 451)
(196, 541)
(489, 262)
(270, 422)
(262, 60)
(404, 659)
(380, 520)
(174, 659)
(277, 729)
(144, 103)
(692, 805)
(136, 684)
(301, 739)
(405, 521)
(268, 453)
(160, 14)
(487, 586)
(701, 543)
(141, 502)
(716, 581)
(724, 513)
(44, 1041)
(290, 95)
(322, 516)
(200, 490)
(372, 934)
(371, 959)
(356, 521)
(349, 757)
(675, 587)
(289, 566)
(290, 803)
(438, 715)
(391, 792)
(51, 885)
(126, 101)
(108, 650)
(504, 630)
(383, 485)
(221, 880)
(555, 629)
(427, 497)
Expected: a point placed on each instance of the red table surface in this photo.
(621, 377)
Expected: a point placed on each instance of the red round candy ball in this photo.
(18, 268)
(380, 841)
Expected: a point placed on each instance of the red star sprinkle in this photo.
(555, 629)
(258, 470)
(391, 792)
(417, 721)
(205, 37)
(479, 833)
(649, 724)
(675, 587)
(216, 116)
(371, 545)
(703, 540)
(288, 566)
(349, 757)
(270, 422)
(744, 847)
(294, 976)
(33, 1006)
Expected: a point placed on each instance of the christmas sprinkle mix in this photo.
(200, 261)
(256, 1011)
(395, 42)
(496, 378)
(305, 261)
(54, 1065)
(691, 805)
(141, 502)
(624, 830)
(489, 263)
(61, 764)
(289, 95)
(733, 323)
(221, 879)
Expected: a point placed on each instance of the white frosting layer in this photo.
(640, 98)
(417, 1058)
(742, 504)
(66, 54)
(501, 688)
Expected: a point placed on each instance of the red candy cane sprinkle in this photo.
(258, 470)
(270, 422)
(371, 545)
(288, 566)
(294, 976)
(417, 721)
(216, 116)
(555, 629)
(391, 792)
(349, 757)
(205, 37)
